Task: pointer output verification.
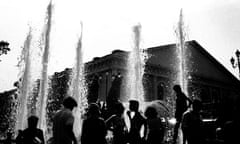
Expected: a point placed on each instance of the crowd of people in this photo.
(96, 124)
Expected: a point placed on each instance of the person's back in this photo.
(93, 130)
(117, 125)
(155, 128)
(32, 135)
(155, 134)
(192, 124)
(119, 130)
(181, 105)
(61, 121)
(93, 127)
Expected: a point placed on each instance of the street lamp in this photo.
(4, 47)
(234, 63)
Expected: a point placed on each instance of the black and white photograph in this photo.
(119, 72)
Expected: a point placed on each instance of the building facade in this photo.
(206, 78)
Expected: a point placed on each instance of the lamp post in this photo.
(4, 47)
(234, 63)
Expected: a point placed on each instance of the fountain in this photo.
(182, 55)
(24, 88)
(182, 65)
(78, 88)
(44, 75)
(135, 69)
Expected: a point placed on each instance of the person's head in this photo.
(32, 121)
(197, 105)
(9, 135)
(20, 131)
(70, 103)
(119, 108)
(93, 110)
(177, 88)
(151, 112)
(133, 105)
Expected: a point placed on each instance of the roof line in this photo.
(214, 60)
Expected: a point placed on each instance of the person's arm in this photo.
(129, 115)
(189, 100)
(84, 129)
(69, 128)
(145, 129)
(104, 127)
(71, 133)
(42, 137)
(109, 121)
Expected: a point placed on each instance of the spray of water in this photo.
(182, 69)
(78, 87)
(44, 74)
(24, 88)
(135, 69)
(182, 57)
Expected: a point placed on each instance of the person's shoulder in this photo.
(65, 112)
(39, 130)
(184, 95)
(57, 113)
(111, 118)
(141, 117)
(188, 113)
(101, 119)
(25, 131)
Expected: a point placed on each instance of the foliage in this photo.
(7, 107)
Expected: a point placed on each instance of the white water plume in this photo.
(24, 84)
(44, 73)
(77, 88)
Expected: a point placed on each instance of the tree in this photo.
(4, 47)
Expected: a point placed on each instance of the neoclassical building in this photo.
(207, 79)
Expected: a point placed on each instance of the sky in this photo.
(107, 25)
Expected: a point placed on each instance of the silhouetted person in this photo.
(9, 139)
(181, 106)
(117, 125)
(63, 123)
(32, 134)
(19, 138)
(192, 125)
(231, 128)
(136, 123)
(155, 128)
(93, 128)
